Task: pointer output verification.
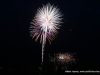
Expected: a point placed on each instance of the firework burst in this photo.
(45, 24)
(63, 58)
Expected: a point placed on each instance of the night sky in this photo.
(80, 16)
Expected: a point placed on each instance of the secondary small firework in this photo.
(45, 24)
(64, 58)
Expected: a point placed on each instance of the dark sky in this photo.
(82, 16)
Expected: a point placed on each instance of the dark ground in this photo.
(47, 68)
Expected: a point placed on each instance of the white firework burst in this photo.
(45, 24)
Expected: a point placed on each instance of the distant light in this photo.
(70, 29)
(61, 57)
(40, 68)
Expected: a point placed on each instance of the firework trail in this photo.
(45, 24)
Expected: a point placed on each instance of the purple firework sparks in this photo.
(45, 24)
